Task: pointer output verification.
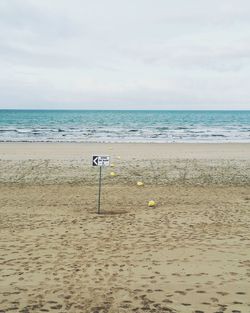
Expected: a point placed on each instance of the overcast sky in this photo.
(125, 54)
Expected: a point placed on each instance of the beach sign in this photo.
(100, 160)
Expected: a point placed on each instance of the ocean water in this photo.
(124, 126)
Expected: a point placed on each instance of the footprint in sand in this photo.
(222, 293)
(181, 292)
(214, 299)
(167, 301)
(56, 307)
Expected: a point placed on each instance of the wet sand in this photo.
(128, 151)
(188, 254)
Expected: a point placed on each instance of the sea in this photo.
(124, 126)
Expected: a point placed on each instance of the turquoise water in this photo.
(124, 126)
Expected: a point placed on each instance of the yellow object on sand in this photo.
(118, 157)
(112, 165)
(151, 203)
(140, 183)
(112, 174)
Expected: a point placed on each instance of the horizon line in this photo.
(66, 109)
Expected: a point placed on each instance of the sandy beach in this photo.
(190, 254)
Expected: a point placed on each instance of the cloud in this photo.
(131, 54)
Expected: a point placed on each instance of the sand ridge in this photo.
(151, 171)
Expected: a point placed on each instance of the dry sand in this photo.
(189, 254)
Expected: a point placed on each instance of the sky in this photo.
(133, 54)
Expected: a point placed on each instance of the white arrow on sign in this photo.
(95, 161)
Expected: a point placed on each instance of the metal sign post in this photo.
(100, 161)
(99, 193)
